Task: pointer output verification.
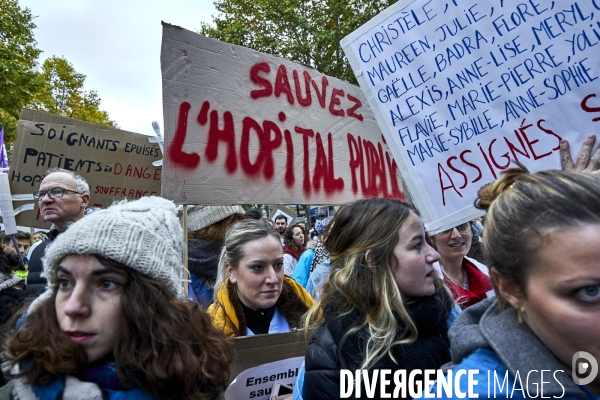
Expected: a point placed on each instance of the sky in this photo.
(116, 44)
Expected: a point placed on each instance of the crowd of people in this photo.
(98, 310)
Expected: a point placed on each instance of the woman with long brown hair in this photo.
(383, 306)
(114, 322)
(294, 246)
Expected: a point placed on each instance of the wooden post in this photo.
(185, 254)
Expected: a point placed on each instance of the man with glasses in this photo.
(62, 199)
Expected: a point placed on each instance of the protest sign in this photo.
(246, 127)
(256, 383)
(286, 212)
(116, 164)
(262, 360)
(460, 89)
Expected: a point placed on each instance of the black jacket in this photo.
(322, 376)
(36, 267)
(324, 358)
(11, 300)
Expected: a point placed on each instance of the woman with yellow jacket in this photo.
(253, 296)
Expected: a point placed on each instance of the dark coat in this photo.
(322, 376)
(324, 358)
(11, 299)
(36, 267)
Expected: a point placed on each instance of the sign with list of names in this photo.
(462, 88)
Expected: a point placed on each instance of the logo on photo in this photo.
(583, 363)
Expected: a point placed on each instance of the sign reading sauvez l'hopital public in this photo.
(246, 127)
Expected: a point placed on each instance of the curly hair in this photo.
(368, 226)
(288, 237)
(166, 346)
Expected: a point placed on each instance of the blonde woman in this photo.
(253, 296)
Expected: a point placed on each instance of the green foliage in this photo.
(58, 88)
(63, 94)
(18, 81)
(304, 31)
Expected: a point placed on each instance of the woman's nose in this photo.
(271, 275)
(78, 303)
(455, 233)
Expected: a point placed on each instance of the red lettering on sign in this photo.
(216, 135)
(175, 151)
(304, 101)
(371, 163)
(587, 108)
(259, 80)
(282, 84)
(306, 133)
(335, 101)
(321, 94)
(444, 188)
(356, 106)
(523, 146)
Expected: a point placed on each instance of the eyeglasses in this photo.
(52, 193)
(462, 228)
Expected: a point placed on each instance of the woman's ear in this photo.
(508, 289)
(231, 273)
(368, 258)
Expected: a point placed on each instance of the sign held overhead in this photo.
(463, 89)
(246, 127)
(116, 164)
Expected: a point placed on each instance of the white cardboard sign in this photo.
(460, 88)
(246, 127)
(256, 383)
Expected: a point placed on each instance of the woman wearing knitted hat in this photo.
(253, 295)
(208, 226)
(113, 322)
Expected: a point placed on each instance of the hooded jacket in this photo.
(488, 339)
(227, 313)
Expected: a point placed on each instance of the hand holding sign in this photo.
(586, 162)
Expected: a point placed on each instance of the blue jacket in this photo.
(517, 365)
(302, 270)
(200, 292)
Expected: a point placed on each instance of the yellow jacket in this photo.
(225, 313)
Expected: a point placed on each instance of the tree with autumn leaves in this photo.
(304, 31)
(55, 87)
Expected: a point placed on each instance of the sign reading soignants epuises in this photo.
(116, 164)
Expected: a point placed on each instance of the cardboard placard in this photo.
(251, 351)
(246, 127)
(116, 164)
(257, 383)
(460, 89)
(289, 215)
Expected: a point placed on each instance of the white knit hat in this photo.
(144, 235)
(200, 217)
